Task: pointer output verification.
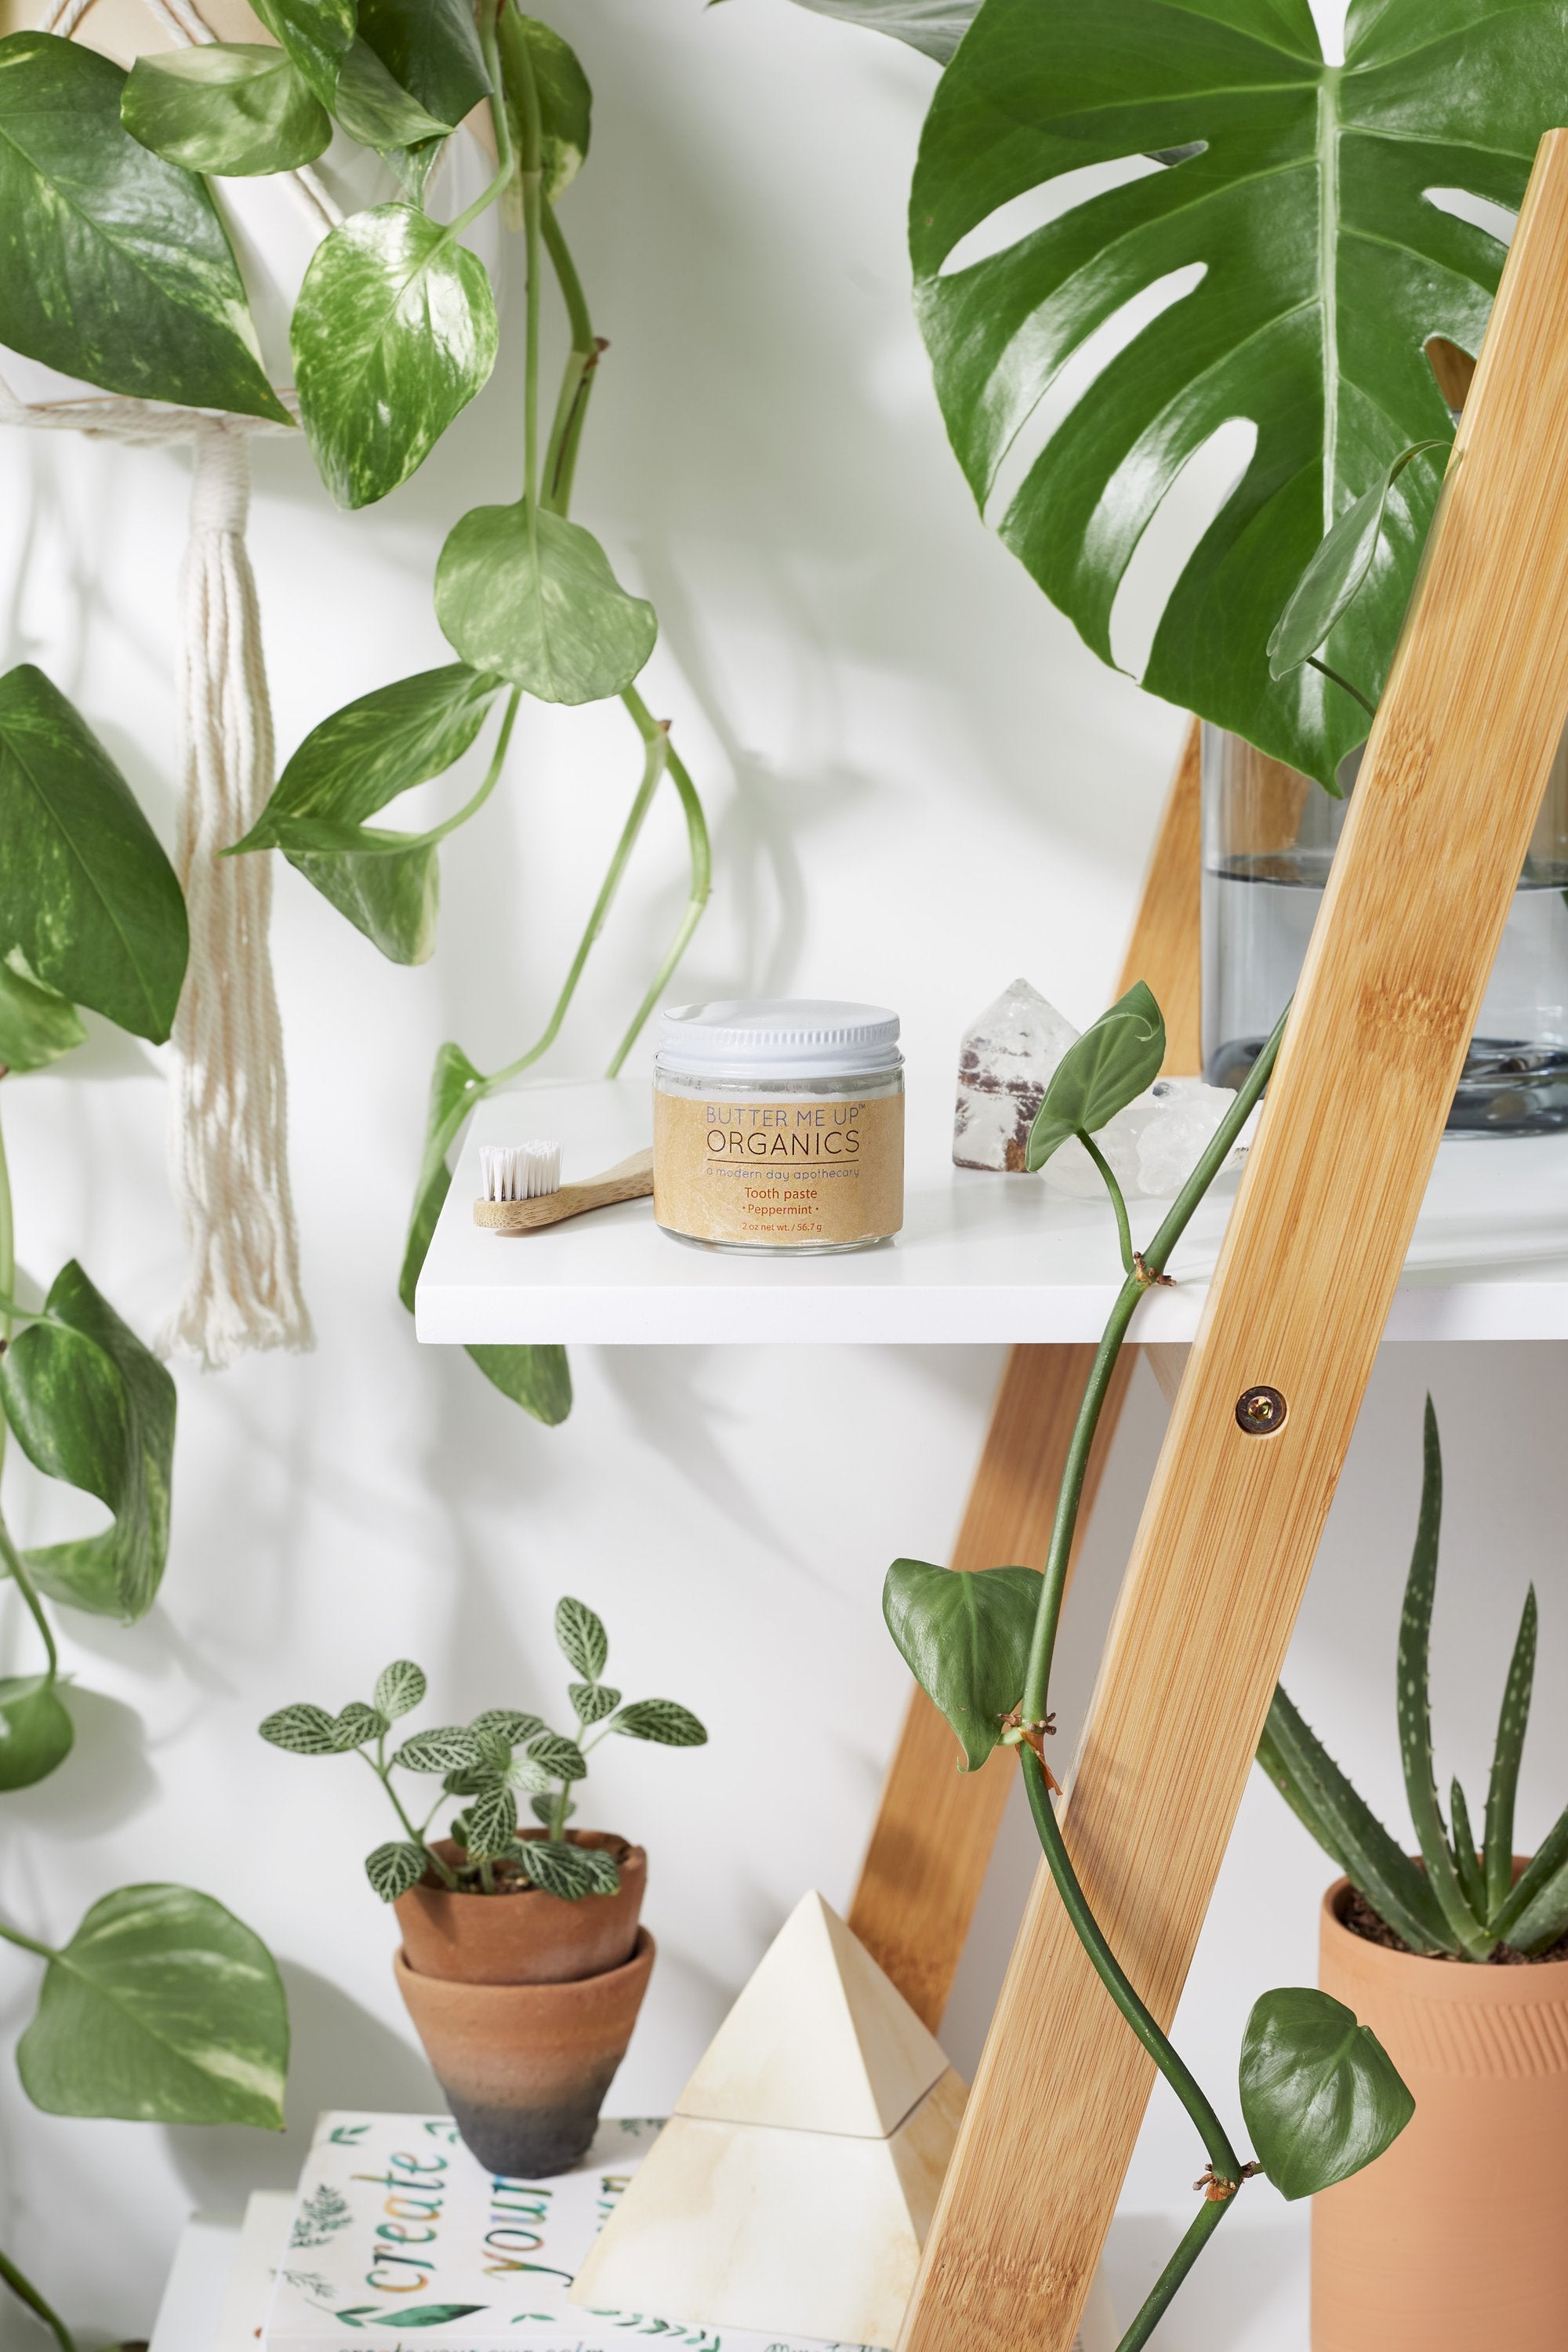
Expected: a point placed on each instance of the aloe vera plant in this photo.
(1460, 1899)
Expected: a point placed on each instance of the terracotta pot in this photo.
(1455, 2239)
(525, 2067)
(530, 1938)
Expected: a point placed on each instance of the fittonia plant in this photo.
(1460, 1899)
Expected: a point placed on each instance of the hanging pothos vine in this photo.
(394, 332)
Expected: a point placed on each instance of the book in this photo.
(400, 2240)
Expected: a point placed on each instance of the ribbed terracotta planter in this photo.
(529, 1937)
(1455, 2239)
(525, 2067)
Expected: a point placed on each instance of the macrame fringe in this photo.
(227, 1131)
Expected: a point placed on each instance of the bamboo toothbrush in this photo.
(523, 1189)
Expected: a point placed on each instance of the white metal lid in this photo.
(771, 1035)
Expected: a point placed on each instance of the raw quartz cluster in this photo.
(1006, 1062)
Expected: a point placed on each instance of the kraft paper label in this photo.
(809, 1172)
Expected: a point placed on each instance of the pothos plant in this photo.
(115, 265)
(162, 2007)
(1318, 2095)
(492, 1763)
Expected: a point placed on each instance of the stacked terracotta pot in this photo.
(525, 2004)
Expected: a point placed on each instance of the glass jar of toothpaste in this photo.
(778, 1124)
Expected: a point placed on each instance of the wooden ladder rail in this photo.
(936, 1826)
(1398, 964)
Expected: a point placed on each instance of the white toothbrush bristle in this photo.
(519, 1171)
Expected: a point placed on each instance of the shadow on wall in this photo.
(341, 2057)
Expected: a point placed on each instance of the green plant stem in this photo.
(26, 2292)
(472, 806)
(558, 1813)
(382, 1771)
(1199, 2231)
(1123, 1230)
(1335, 675)
(577, 381)
(503, 128)
(16, 1568)
(701, 855)
(26, 1943)
(530, 160)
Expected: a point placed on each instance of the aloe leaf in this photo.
(1462, 1844)
(1512, 1720)
(1104, 1070)
(1543, 1918)
(1550, 1857)
(1415, 1708)
(1348, 1832)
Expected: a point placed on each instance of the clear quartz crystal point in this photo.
(1152, 1145)
(1004, 1063)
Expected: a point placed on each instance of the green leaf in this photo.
(431, 49)
(386, 883)
(303, 1729)
(399, 1688)
(544, 1808)
(935, 27)
(537, 1378)
(448, 1749)
(423, 2315)
(1299, 194)
(592, 1702)
(1415, 1708)
(237, 109)
(316, 34)
(1543, 1918)
(393, 1869)
(374, 109)
(1108, 1067)
(1513, 1722)
(93, 1406)
(113, 263)
(1377, 1866)
(455, 1087)
(1462, 1845)
(1320, 2094)
(965, 1638)
(491, 1823)
(35, 1025)
(507, 1723)
(561, 1759)
(581, 1637)
(35, 1731)
(535, 599)
(1338, 572)
(566, 109)
(394, 332)
(662, 1720)
(163, 2008)
(570, 1871)
(88, 903)
(357, 1723)
(527, 1779)
(1534, 1884)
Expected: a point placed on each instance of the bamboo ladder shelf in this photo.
(1299, 1299)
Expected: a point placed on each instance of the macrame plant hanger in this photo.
(227, 1111)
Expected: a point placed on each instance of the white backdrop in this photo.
(921, 786)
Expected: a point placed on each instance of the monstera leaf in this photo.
(1303, 194)
(935, 27)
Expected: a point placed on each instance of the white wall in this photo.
(921, 786)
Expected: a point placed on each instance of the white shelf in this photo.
(982, 1258)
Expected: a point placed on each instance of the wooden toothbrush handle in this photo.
(632, 1180)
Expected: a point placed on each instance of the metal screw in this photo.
(1260, 1412)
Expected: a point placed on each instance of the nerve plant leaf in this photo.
(581, 1637)
(1104, 1070)
(571, 1871)
(393, 333)
(88, 903)
(393, 1869)
(965, 1638)
(35, 1731)
(163, 2008)
(563, 1759)
(114, 265)
(399, 1688)
(662, 1721)
(534, 598)
(447, 1748)
(236, 110)
(35, 1025)
(1315, 269)
(1320, 2094)
(90, 1405)
(1338, 572)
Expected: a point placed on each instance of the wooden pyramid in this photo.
(792, 2190)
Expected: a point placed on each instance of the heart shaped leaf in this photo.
(88, 903)
(35, 1732)
(374, 107)
(233, 109)
(965, 1638)
(565, 108)
(35, 1025)
(1320, 2094)
(537, 594)
(431, 50)
(317, 35)
(1338, 572)
(163, 2007)
(1104, 1070)
(113, 263)
(394, 332)
(1297, 198)
(91, 1405)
